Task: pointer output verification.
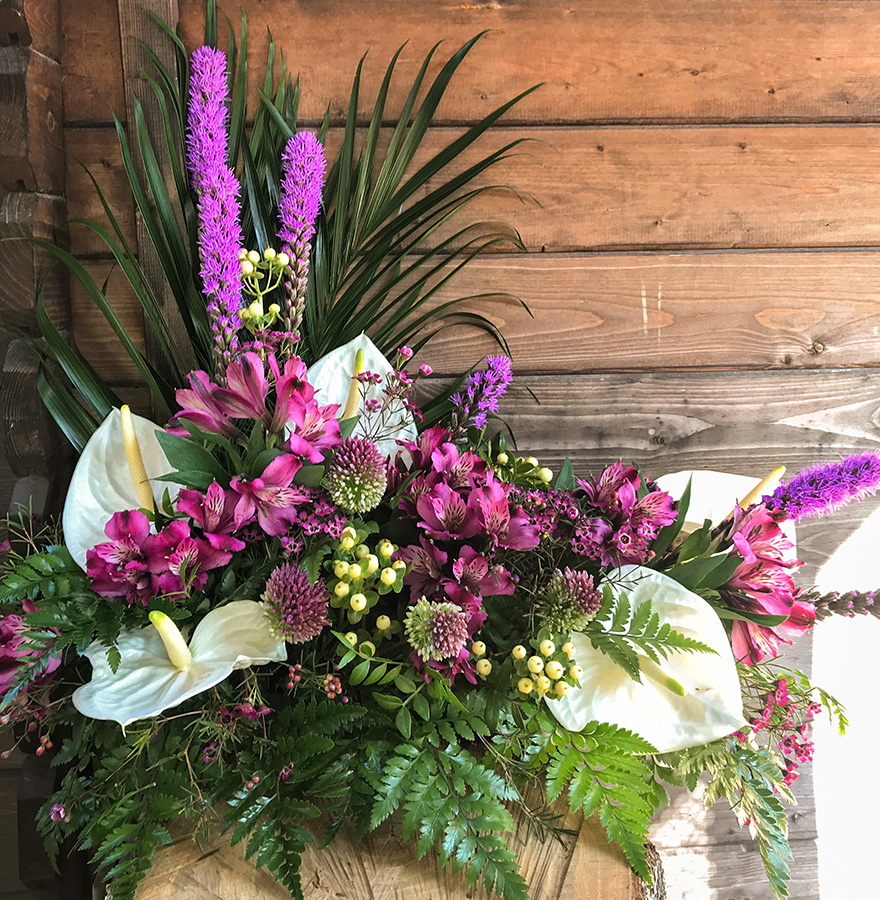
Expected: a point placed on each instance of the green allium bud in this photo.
(356, 476)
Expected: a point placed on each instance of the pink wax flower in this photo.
(271, 497)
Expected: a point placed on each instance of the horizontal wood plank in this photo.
(599, 61)
(625, 188)
(669, 310)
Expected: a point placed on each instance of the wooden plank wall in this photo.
(703, 238)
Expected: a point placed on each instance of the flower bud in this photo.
(269, 253)
(283, 259)
(247, 267)
(253, 256)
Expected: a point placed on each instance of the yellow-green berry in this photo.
(484, 667)
(383, 623)
(347, 543)
(542, 683)
(554, 669)
(269, 253)
(525, 685)
(531, 460)
(478, 648)
(247, 267)
(341, 589)
(547, 648)
(545, 474)
(253, 256)
(568, 649)
(502, 459)
(386, 548)
(372, 562)
(519, 652)
(562, 688)
(536, 664)
(340, 568)
(575, 672)
(398, 564)
(352, 638)
(355, 571)
(362, 551)
(283, 259)
(358, 602)
(388, 576)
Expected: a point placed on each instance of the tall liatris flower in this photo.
(481, 396)
(825, 489)
(357, 476)
(207, 145)
(296, 609)
(303, 179)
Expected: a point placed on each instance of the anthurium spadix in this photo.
(331, 376)
(159, 669)
(693, 698)
(104, 481)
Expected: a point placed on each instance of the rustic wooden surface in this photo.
(703, 282)
(576, 866)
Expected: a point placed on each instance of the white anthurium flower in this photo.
(693, 698)
(713, 496)
(159, 670)
(331, 377)
(103, 483)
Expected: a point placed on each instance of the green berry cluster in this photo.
(361, 574)
(550, 670)
(524, 472)
(260, 275)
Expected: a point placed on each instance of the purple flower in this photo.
(825, 489)
(303, 166)
(356, 476)
(217, 189)
(504, 528)
(297, 610)
(270, 497)
(13, 647)
(482, 394)
(444, 514)
(213, 512)
(582, 591)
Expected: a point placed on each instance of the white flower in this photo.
(331, 378)
(711, 706)
(102, 482)
(147, 681)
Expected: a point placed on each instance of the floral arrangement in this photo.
(303, 595)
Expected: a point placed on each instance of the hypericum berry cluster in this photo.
(550, 672)
(359, 575)
(366, 641)
(523, 471)
(260, 276)
(787, 722)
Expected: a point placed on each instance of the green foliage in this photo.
(621, 631)
(51, 574)
(752, 782)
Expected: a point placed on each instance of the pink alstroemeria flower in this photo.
(491, 506)
(445, 515)
(271, 497)
(120, 567)
(13, 647)
(313, 429)
(473, 573)
(200, 406)
(213, 512)
(426, 572)
(180, 562)
(247, 389)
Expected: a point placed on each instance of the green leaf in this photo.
(403, 721)
(359, 672)
(565, 479)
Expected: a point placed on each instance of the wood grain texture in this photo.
(31, 140)
(31, 23)
(627, 189)
(663, 311)
(92, 57)
(648, 60)
(581, 866)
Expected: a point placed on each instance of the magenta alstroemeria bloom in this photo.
(426, 572)
(12, 630)
(471, 603)
(271, 497)
(491, 506)
(120, 567)
(292, 381)
(247, 389)
(473, 572)
(213, 512)
(422, 450)
(313, 429)
(444, 514)
(458, 469)
(200, 406)
(614, 489)
(447, 668)
(180, 562)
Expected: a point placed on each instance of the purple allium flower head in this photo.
(297, 610)
(825, 489)
(357, 475)
(303, 167)
(217, 188)
(436, 631)
(582, 591)
(482, 394)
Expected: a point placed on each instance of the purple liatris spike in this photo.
(482, 394)
(825, 489)
(303, 167)
(296, 609)
(357, 476)
(207, 148)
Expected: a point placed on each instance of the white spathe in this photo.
(102, 483)
(712, 705)
(713, 496)
(331, 378)
(146, 682)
